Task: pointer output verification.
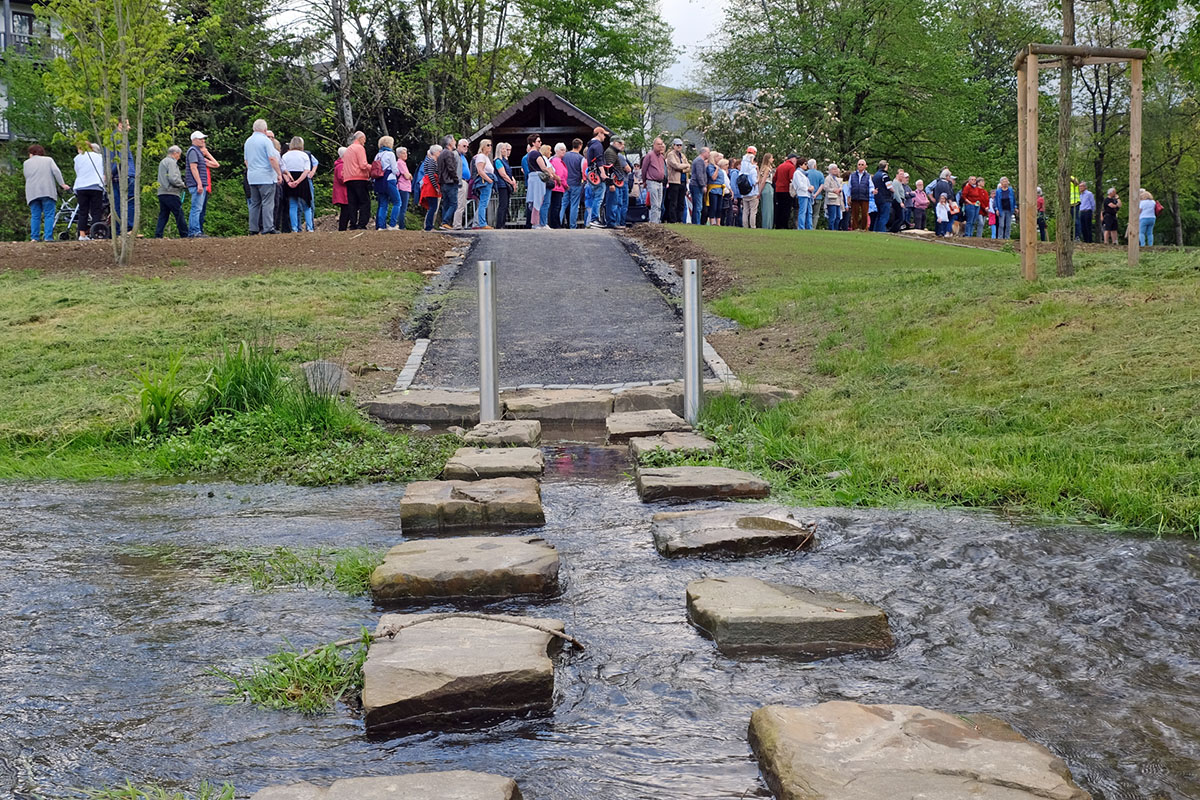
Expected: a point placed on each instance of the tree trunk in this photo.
(1065, 233)
(343, 66)
(1178, 220)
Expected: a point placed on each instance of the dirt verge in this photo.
(673, 248)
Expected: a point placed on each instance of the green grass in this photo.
(934, 374)
(344, 569)
(206, 791)
(307, 683)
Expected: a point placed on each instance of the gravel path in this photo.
(572, 308)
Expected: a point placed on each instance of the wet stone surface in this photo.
(466, 566)
(492, 502)
(699, 483)
(476, 463)
(670, 442)
(738, 529)
(450, 785)
(426, 406)
(505, 432)
(625, 425)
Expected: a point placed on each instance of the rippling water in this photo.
(1086, 641)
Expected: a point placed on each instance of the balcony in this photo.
(26, 44)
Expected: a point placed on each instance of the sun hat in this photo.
(752, 150)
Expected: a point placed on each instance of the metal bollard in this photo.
(693, 341)
(489, 368)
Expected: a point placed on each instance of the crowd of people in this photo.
(565, 186)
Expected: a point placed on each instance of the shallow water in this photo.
(1086, 641)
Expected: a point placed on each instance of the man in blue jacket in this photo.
(860, 197)
(883, 197)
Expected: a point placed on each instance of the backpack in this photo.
(744, 185)
(376, 169)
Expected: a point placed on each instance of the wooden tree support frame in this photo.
(1028, 67)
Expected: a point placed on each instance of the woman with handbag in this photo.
(383, 175)
(427, 180)
(505, 185)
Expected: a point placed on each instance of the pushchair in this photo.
(68, 211)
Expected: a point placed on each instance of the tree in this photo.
(120, 60)
(650, 61)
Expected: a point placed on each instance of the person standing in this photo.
(1005, 203)
(1087, 211)
(860, 197)
(1147, 216)
(1074, 195)
(575, 168)
(448, 178)
(549, 179)
(387, 213)
(1108, 216)
(170, 194)
(464, 183)
(559, 190)
(801, 190)
(533, 146)
(356, 172)
(766, 191)
(505, 184)
(783, 191)
(130, 183)
(485, 176)
(89, 188)
(654, 175)
(815, 180)
(943, 216)
(340, 196)
(831, 188)
(403, 185)
(883, 197)
(677, 169)
(596, 178)
(263, 176)
(197, 181)
(1041, 214)
(974, 197)
(42, 179)
(984, 209)
(750, 198)
(298, 169)
(697, 181)
(428, 189)
(612, 167)
(920, 204)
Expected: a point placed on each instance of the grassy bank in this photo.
(935, 374)
(74, 350)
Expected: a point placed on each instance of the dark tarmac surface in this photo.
(572, 308)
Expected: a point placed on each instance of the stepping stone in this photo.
(522, 432)
(466, 566)
(643, 423)
(456, 785)
(425, 406)
(455, 670)
(698, 483)
(671, 442)
(848, 751)
(649, 398)
(495, 502)
(572, 405)
(730, 530)
(475, 463)
(748, 615)
(326, 378)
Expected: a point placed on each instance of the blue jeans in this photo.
(943, 228)
(544, 208)
(612, 212)
(980, 224)
(449, 203)
(883, 212)
(1004, 224)
(804, 213)
(1146, 231)
(808, 216)
(572, 212)
(970, 214)
(298, 206)
(834, 215)
(593, 197)
(402, 217)
(41, 218)
(389, 206)
(196, 210)
(485, 194)
(431, 213)
(697, 193)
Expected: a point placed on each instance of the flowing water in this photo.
(1086, 641)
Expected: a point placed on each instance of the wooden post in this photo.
(1024, 188)
(1065, 233)
(1135, 155)
(1031, 161)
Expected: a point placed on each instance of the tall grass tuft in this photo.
(345, 569)
(162, 399)
(206, 791)
(245, 378)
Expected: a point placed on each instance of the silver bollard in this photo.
(693, 341)
(489, 367)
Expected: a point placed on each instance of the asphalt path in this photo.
(572, 308)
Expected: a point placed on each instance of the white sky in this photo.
(695, 22)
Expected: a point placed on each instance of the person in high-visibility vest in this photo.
(1075, 208)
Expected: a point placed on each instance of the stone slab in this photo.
(743, 529)
(467, 566)
(453, 785)
(505, 432)
(671, 442)
(748, 615)
(628, 424)
(698, 483)
(494, 502)
(849, 751)
(667, 397)
(455, 670)
(574, 405)
(477, 463)
(326, 378)
(426, 406)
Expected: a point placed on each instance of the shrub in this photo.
(161, 400)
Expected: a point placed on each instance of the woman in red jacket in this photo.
(340, 198)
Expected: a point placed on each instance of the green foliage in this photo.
(310, 683)
(247, 377)
(344, 569)
(161, 398)
(206, 791)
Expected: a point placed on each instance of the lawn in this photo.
(934, 374)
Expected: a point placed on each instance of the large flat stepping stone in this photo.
(494, 502)
(569, 405)
(455, 785)
(628, 424)
(730, 530)
(455, 670)
(748, 615)
(505, 432)
(426, 406)
(649, 398)
(475, 463)
(670, 442)
(698, 483)
(466, 566)
(848, 751)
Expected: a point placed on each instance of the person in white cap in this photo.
(198, 180)
(677, 171)
(750, 196)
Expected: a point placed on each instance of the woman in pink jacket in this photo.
(403, 183)
(340, 198)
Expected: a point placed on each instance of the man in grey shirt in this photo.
(449, 177)
(170, 194)
(697, 182)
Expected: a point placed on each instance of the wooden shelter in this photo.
(1028, 65)
(542, 112)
